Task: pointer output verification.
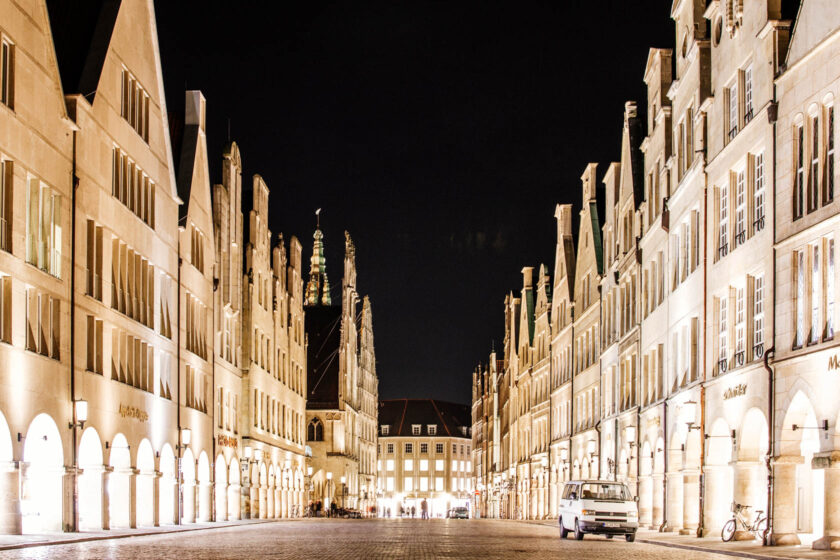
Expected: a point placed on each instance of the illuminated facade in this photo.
(123, 298)
(425, 454)
(715, 259)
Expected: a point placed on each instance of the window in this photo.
(385, 429)
(758, 192)
(424, 448)
(723, 343)
(389, 484)
(6, 309)
(454, 465)
(408, 484)
(196, 327)
(132, 284)
(390, 448)
(814, 171)
(415, 429)
(93, 286)
(454, 485)
(197, 249)
(740, 327)
(131, 186)
(438, 448)
(424, 464)
(733, 111)
(816, 296)
(196, 393)
(43, 323)
(758, 317)
(454, 448)
(439, 465)
(723, 202)
(389, 463)
(7, 176)
(166, 381)
(132, 360)
(424, 484)
(799, 180)
(43, 227)
(408, 465)
(740, 207)
(748, 94)
(431, 429)
(829, 289)
(799, 280)
(409, 448)
(165, 326)
(7, 74)
(828, 194)
(135, 105)
(315, 430)
(439, 484)
(94, 344)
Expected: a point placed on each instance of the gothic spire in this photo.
(318, 287)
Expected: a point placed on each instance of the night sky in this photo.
(441, 135)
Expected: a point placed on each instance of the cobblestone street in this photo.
(368, 539)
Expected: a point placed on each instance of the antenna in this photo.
(228, 139)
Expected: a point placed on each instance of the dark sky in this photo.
(441, 135)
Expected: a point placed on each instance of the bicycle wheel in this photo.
(728, 531)
(759, 527)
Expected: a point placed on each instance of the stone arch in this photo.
(234, 497)
(719, 476)
(119, 484)
(145, 484)
(6, 450)
(91, 481)
(188, 487)
(263, 491)
(221, 486)
(205, 487)
(41, 496)
(752, 437)
(167, 507)
(798, 446)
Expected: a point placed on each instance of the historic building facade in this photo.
(425, 455)
(128, 394)
(700, 372)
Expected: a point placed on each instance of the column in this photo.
(831, 532)
(784, 500)
(10, 515)
(746, 488)
(717, 498)
(674, 515)
(156, 482)
(234, 506)
(188, 512)
(691, 502)
(645, 500)
(205, 498)
(132, 497)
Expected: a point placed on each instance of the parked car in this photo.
(458, 513)
(347, 513)
(602, 507)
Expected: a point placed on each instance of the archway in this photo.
(119, 484)
(188, 487)
(234, 490)
(645, 484)
(750, 472)
(658, 482)
(10, 520)
(221, 482)
(799, 488)
(718, 477)
(205, 489)
(167, 505)
(674, 481)
(145, 485)
(43, 456)
(91, 482)
(263, 491)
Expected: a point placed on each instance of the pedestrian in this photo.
(413, 511)
(424, 509)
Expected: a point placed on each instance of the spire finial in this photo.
(318, 218)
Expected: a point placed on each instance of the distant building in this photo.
(424, 454)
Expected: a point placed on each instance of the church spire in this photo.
(318, 287)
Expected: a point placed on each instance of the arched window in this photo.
(315, 430)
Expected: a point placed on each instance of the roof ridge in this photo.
(442, 421)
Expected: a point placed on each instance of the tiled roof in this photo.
(401, 414)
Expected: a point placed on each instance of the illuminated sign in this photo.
(833, 362)
(133, 412)
(227, 441)
(735, 391)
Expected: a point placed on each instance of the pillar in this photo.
(188, 512)
(831, 531)
(263, 497)
(156, 482)
(747, 485)
(691, 502)
(205, 500)
(717, 498)
(11, 521)
(784, 500)
(645, 500)
(674, 515)
(234, 506)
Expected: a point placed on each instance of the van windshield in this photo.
(605, 491)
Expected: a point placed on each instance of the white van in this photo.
(603, 507)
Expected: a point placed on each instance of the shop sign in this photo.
(735, 391)
(133, 412)
(653, 421)
(227, 441)
(833, 362)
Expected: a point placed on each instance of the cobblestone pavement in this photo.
(368, 539)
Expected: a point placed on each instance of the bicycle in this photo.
(740, 521)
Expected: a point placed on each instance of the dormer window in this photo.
(385, 429)
(135, 104)
(464, 430)
(415, 429)
(431, 429)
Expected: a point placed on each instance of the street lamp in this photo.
(80, 407)
(688, 411)
(329, 489)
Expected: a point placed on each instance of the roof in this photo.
(596, 236)
(82, 33)
(401, 414)
(323, 331)
(188, 148)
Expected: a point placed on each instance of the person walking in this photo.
(424, 509)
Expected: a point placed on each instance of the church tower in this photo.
(318, 287)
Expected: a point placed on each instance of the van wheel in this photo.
(578, 532)
(630, 537)
(609, 536)
(563, 531)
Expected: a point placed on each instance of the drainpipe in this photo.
(615, 450)
(178, 404)
(702, 501)
(73, 187)
(771, 403)
(701, 526)
(664, 524)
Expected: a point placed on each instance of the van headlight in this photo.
(632, 514)
(587, 512)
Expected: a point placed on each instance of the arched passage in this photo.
(718, 494)
(221, 486)
(167, 504)
(658, 481)
(674, 481)
(145, 484)
(41, 497)
(234, 490)
(645, 484)
(205, 489)
(263, 491)
(188, 487)
(119, 484)
(750, 470)
(10, 519)
(91, 482)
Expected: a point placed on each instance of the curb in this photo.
(717, 550)
(181, 529)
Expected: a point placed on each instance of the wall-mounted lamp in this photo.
(344, 480)
(564, 454)
(81, 409)
(591, 448)
(186, 437)
(308, 471)
(688, 411)
(630, 435)
(329, 476)
(258, 455)
(248, 451)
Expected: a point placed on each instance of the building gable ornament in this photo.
(736, 391)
